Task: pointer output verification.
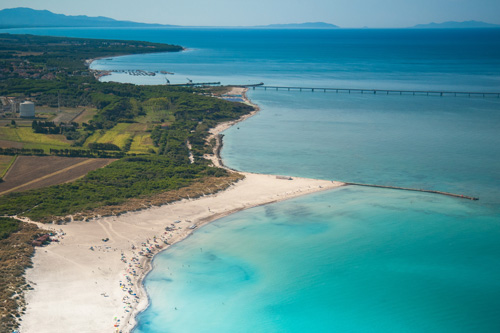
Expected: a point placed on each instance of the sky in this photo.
(344, 13)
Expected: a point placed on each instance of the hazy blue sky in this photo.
(345, 13)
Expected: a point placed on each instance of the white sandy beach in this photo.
(83, 284)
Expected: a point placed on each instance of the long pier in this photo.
(381, 91)
(461, 196)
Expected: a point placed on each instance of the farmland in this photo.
(28, 139)
(78, 117)
(30, 172)
(117, 135)
(5, 163)
(122, 133)
(142, 144)
(86, 115)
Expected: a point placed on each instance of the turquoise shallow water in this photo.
(349, 260)
(353, 259)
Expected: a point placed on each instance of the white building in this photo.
(27, 109)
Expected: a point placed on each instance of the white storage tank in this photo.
(27, 109)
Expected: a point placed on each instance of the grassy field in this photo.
(158, 110)
(24, 136)
(118, 135)
(86, 115)
(21, 122)
(142, 144)
(158, 117)
(33, 140)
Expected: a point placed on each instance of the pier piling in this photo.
(387, 91)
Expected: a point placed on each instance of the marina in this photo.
(133, 72)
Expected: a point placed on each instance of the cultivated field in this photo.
(10, 144)
(142, 144)
(29, 172)
(119, 135)
(5, 163)
(87, 114)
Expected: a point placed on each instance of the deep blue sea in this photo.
(352, 259)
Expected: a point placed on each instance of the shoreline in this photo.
(89, 62)
(132, 318)
(217, 130)
(82, 276)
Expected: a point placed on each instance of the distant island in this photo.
(456, 25)
(30, 18)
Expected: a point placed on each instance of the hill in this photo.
(456, 25)
(30, 18)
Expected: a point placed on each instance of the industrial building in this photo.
(27, 109)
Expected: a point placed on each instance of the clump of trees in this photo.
(103, 146)
(89, 153)
(49, 127)
(21, 151)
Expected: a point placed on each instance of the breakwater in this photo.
(461, 196)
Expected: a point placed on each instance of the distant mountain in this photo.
(456, 25)
(31, 18)
(22, 17)
(308, 25)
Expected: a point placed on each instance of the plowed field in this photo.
(29, 172)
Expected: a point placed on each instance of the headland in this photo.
(91, 280)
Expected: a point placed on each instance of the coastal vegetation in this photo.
(130, 177)
(36, 56)
(15, 256)
(153, 129)
(156, 134)
(7, 227)
(120, 121)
